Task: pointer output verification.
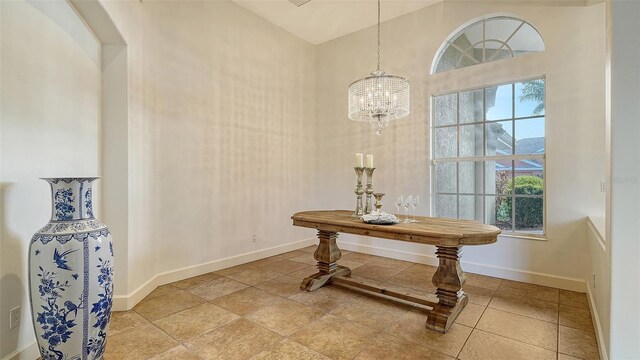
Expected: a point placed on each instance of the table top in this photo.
(428, 230)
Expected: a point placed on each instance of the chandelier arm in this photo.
(378, 34)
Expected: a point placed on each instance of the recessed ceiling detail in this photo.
(318, 21)
(299, 2)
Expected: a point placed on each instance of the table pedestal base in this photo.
(318, 279)
(327, 254)
(448, 280)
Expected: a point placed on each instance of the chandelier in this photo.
(379, 98)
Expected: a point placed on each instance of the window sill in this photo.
(525, 236)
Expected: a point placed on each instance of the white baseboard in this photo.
(596, 321)
(127, 302)
(29, 352)
(483, 269)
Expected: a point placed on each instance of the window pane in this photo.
(446, 206)
(470, 177)
(466, 41)
(446, 142)
(498, 177)
(472, 56)
(499, 138)
(471, 106)
(448, 59)
(529, 136)
(499, 102)
(526, 40)
(446, 109)
(495, 50)
(471, 207)
(471, 140)
(498, 212)
(446, 177)
(529, 178)
(529, 214)
(501, 27)
(529, 99)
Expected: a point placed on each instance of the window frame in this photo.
(464, 52)
(457, 160)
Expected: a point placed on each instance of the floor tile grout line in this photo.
(558, 333)
(472, 329)
(526, 297)
(369, 342)
(527, 316)
(384, 332)
(506, 337)
(522, 342)
(550, 302)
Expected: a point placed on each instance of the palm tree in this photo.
(534, 91)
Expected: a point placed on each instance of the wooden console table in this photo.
(448, 235)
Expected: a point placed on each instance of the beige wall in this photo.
(49, 126)
(573, 64)
(221, 133)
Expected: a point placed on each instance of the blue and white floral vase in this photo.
(71, 276)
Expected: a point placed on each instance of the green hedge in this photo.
(529, 211)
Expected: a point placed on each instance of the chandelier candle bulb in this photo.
(370, 161)
(359, 160)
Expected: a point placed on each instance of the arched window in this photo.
(488, 142)
(487, 40)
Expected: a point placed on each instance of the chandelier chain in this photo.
(378, 34)
(379, 98)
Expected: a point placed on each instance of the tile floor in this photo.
(257, 311)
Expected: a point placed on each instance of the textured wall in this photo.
(49, 126)
(221, 128)
(574, 67)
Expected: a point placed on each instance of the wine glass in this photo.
(406, 201)
(415, 201)
(399, 203)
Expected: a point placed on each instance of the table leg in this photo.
(327, 254)
(448, 280)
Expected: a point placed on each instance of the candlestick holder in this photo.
(369, 191)
(359, 192)
(378, 204)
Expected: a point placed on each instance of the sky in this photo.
(527, 128)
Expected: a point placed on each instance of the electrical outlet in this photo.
(254, 238)
(14, 317)
(594, 280)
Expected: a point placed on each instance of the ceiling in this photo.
(322, 20)
(318, 21)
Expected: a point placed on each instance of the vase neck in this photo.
(71, 198)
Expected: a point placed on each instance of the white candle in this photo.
(370, 161)
(359, 160)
